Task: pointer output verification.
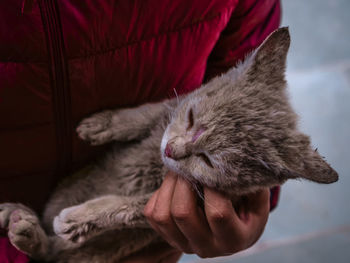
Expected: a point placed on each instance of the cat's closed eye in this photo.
(190, 119)
(206, 159)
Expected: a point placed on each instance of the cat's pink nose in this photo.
(168, 151)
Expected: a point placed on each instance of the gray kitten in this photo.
(236, 134)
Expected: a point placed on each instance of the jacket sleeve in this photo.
(250, 23)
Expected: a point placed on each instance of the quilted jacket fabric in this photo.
(61, 60)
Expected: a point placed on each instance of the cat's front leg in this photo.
(24, 230)
(122, 124)
(81, 222)
(97, 129)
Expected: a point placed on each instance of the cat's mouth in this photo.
(174, 165)
(178, 167)
(177, 161)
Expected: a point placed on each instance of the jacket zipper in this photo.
(59, 84)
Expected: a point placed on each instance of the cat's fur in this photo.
(236, 133)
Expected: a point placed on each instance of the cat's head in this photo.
(238, 132)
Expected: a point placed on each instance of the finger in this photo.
(148, 211)
(253, 207)
(257, 208)
(259, 202)
(190, 219)
(149, 207)
(161, 217)
(160, 252)
(224, 223)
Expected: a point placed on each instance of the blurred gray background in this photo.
(312, 222)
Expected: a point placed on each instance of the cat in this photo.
(237, 134)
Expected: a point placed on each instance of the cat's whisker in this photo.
(214, 208)
(199, 191)
(177, 97)
(200, 194)
(169, 107)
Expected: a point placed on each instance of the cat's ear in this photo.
(310, 166)
(269, 60)
(317, 169)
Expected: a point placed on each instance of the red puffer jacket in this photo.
(61, 60)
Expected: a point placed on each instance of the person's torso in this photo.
(60, 61)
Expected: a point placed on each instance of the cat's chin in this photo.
(176, 167)
(173, 165)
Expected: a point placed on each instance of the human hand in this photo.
(224, 227)
(156, 253)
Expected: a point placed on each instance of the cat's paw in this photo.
(75, 224)
(26, 234)
(96, 129)
(6, 210)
